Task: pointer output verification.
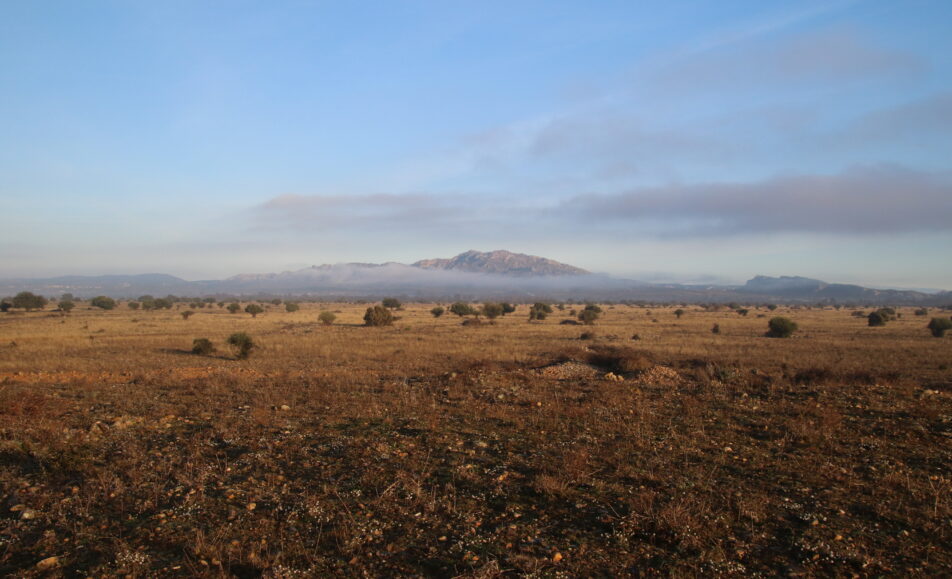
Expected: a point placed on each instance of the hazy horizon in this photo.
(689, 142)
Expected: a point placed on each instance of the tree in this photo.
(29, 301)
(437, 311)
(378, 316)
(742, 311)
(780, 327)
(242, 344)
(508, 308)
(66, 306)
(922, 312)
(187, 314)
(327, 318)
(716, 329)
(462, 309)
(134, 305)
(103, 302)
(678, 313)
(589, 314)
(771, 307)
(492, 310)
(876, 319)
(391, 303)
(162, 304)
(234, 307)
(939, 326)
(254, 310)
(539, 311)
(276, 301)
(67, 297)
(291, 307)
(5, 305)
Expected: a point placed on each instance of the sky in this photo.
(681, 141)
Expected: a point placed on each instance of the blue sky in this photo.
(689, 141)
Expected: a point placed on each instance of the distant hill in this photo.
(471, 275)
(807, 289)
(501, 262)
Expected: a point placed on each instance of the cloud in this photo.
(929, 117)
(863, 200)
(332, 211)
(826, 57)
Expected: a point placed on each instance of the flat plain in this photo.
(429, 448)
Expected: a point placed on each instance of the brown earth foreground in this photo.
(432, 449)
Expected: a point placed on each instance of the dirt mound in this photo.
(660, 376)
(568, 371)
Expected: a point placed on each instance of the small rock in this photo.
(285, 407)
(28, 514)
(557, 557)
(48, 563)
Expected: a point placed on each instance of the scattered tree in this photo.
(492, 310)
(939, 326)
(276, 301)
(187, 314)
(742, 311)
(589, 314)
(462, 309)
(716, 329)
(327, 318)
(291, 307)
(508, 308)
(202, 346)
(234, 308)
(678, 313)
(66, 306)
(134, 305)
(437, 311)
(876, 319)
(242, 344)
(922, 312)
(103, 302)
(771, 307)
(539, 311)
(253, 309)
(780, 327)
(378, 316)
(29, 301)
(391, 303)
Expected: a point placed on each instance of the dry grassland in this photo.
(432, 449)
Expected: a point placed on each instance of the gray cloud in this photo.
(866, 200)
(331, 211)
(929, 117)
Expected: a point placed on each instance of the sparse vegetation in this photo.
(187, 314)
(291, 307)
(437, 311)
(234, 308)
(66, 306)
(391, 303)
(539, 311)
(356, 452)
(678, 313)
(492, 310)
(254, 310)
(876, 319)
(327, 318)
(590, 314)
(462, 309)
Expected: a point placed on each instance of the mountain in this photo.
(502, 262)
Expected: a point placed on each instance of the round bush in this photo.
(939, 326)
(202, 346)
(242, 344)
(781, 327)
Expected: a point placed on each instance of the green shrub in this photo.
(242, 344)
(29, 301)
(939, 326)
(254, 310)
(437, 311)
(922, 312)
(588, 316)
(539, 311)
(202, 346)
(234, 308)
(327, 318)
(291, 307)
(876, 319)
(378, 316)
(66, 306)
(462, 309)
(134, 305)
(103, 302)
(678, 313)
(391, 303)
(716, 329)
(187, 314)
(492, 310)
(781, 327)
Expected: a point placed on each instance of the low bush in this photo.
(202, 346)
(378, 316)
(241, 344)
(781, 327)
(939, 326)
